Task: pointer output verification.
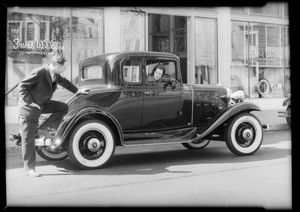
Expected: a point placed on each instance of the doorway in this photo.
(168, 33)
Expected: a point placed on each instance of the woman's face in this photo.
(158, 73)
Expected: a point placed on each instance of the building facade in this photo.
(240, 47)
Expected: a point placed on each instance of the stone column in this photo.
(224, 46)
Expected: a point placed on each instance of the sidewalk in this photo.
(268, 117)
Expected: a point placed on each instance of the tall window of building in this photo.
(286, 50)
(132, 31)
(87, 36)
(33, 33)
(285, 10)
(239, 53)
(205, 51)
(258, 58)
(168, 33)
(271, 9)
(237, 9)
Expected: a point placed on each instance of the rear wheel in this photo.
(51, 155)
(200, 144)
(244, 134)
(92, 144)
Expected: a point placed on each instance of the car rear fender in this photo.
(224, 116)
(75, 116)
(287, 102)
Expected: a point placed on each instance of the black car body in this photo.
(122, 109)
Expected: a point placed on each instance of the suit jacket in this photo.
(37, 87)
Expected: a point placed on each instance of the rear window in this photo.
(92, 72)
(95, 74)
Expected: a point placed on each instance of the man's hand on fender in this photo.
(82, 91)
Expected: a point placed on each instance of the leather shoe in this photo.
(44, 133)
(33, 173)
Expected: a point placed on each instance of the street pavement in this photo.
(162, 175)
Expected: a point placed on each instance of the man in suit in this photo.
(35, 93)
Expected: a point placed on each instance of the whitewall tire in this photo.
(200, 144)
(51, 156)
(91, 145)
(244, 134)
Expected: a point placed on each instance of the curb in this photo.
(275, 127)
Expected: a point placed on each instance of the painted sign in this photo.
(37, 47)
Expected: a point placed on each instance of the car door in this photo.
(128, 109)
(161, 106)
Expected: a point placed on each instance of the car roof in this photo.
(119, 55)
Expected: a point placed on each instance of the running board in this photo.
(159, 142)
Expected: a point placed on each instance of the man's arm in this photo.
(66, 84)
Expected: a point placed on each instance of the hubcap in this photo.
(94, 145)
(245, 134)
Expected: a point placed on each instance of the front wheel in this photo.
(91, 145)
(244, 134)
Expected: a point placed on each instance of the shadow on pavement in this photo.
(160, 161)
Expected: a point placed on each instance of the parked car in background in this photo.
(122, 109)
(287, 112)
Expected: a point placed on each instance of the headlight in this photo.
(236, 97)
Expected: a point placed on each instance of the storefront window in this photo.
(258, 58)
(237, 9)
(132, 31)
(269, 9)
(239, 70)
(205, 51)
(87, 37)
(285, 10)
(33, 33)
(168, 33)
(286, 47)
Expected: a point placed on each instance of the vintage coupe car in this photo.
(122, 109)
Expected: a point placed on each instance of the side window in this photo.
(170, 67)
(132, 71)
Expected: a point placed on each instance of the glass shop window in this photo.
(34, 32)
(132, 31)
(205, 51)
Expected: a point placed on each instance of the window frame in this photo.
(140, 77)
(161, 61)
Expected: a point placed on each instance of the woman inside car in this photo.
(158, 76)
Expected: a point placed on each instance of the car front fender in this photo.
(224, 116)
(74, 116)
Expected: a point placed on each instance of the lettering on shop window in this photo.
(265, 56)
(29, 46)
